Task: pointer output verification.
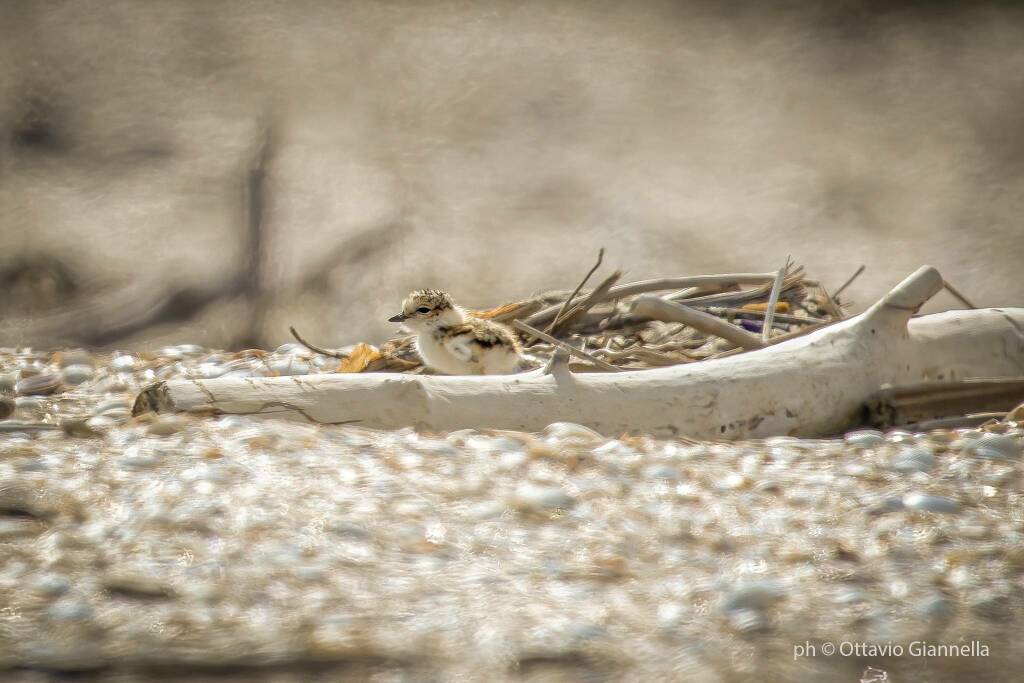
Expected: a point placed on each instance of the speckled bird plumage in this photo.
(451, 341)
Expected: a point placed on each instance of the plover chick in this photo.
(451, 341)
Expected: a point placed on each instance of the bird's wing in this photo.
(460, 346)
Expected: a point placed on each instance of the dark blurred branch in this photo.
(253, 269)
(113, 316)
(128, 312)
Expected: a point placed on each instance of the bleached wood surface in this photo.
(809, 386)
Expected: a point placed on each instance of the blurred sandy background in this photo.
(491, 148)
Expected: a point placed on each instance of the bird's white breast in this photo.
(437, 357)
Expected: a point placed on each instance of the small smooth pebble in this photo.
(851, 596)
(102, 422)
(117, 405)
(671, 614)
(191, 350)
(170, 353)
(486, 510)
(38, 385)
(997, 446)
(165, 426)
(865, 438)
(20, 498)
(992, 606)
(929, 503)
(110, 385)
(935, 608)
(70, 611)
(504, 443)
(136, 585)
(901, 436)
(749, 621)
(914, 460)
(510, 460)
(77, 374)
(890, 504)
(24, 403)
(51, 584)
(76, 357)
(754, 595)
(123, 363)
(570, 430)
(530, 497)
(666, 472)
(289, 366)
(32, 370)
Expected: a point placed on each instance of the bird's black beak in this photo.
(400, 318)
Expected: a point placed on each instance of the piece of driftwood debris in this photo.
(657, 308)
(926, 402)
(812, 385)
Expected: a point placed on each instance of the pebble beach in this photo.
(228, 547)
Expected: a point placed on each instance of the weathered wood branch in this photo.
(812, 385)
(657, 308)
(926, 402)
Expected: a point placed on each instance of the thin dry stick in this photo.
(640, 353)
(644, 286)
(688, 292)
(786, 318)
(316, 349)
(520, 325)
(953, 290)
(849, 281)
(668, 311)
(679, 282)
(599, 293)
(836, 308)
(745, 295)
(565, 305)
(773, 300)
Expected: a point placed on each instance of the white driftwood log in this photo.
(812, 385)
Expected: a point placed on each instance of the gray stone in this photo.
(70, 611)
(38, 385)
(928, 503)
(755, 595)
(865, 438)
(997, 446)
(914, 460)
(77, 374)
(123, 363)
(666, 472)
(533, 498)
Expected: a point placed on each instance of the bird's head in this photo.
(427, 309)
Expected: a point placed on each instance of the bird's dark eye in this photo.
(423, 309)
